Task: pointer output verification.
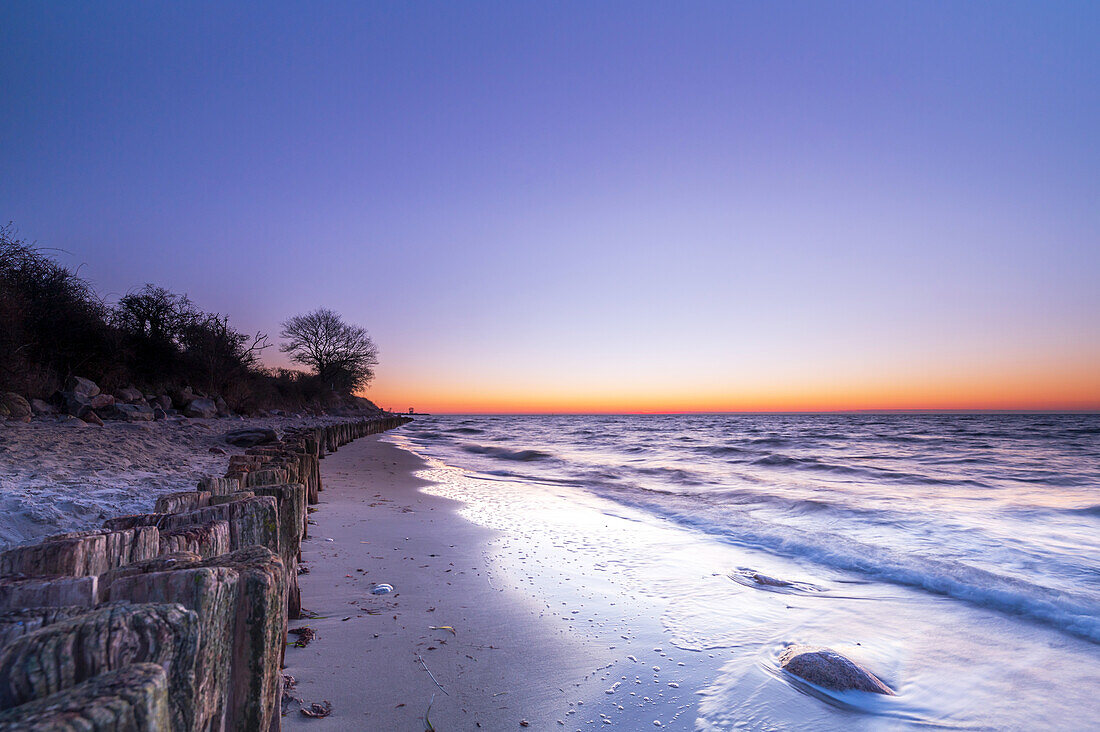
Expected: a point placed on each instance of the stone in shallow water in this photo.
(69, 652)
(829, 669)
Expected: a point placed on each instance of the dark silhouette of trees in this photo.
(343, 355)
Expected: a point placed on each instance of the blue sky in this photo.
(591, 206)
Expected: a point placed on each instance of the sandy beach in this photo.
(64, 475)
(505, 663)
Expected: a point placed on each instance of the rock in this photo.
(251, 437)
(39, 406)
(223, 408)
(91, 417)
(164, 402)
(99, 401)
(131, 699)
(200, 408)
(18, 593)
(763, 579)
(4, 411)
(81, 554)
(130, 396)
(18, 407)
(127, 412)
(211, 592)
(217, 451)
(829, 669)
(66, 653)
(79, 385)
(182, 397)
(159, 414)
(67, 420)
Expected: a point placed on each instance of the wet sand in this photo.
(506, 662)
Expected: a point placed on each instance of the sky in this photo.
(583, 207)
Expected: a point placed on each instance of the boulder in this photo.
(164, 402)
(99, 401)
(17, 593)
(250, 437)
(129, 395)
(81, 386)
(4, 411)
(829, 669)
(18, 407)
(200, 408)
(91, 417)
(66, 653)
(127, 412)
(131, 699)
(81, 554)
(211, 592)
(222, 407)
(159, 414)
(39, 406)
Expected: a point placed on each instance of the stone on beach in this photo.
(18, 407)
(131, 699)
(204, 408)
(251, 437)
(66, 653)
(829, 669)
(129, 395)
(126, 412)
(81, 386)
(39, 406)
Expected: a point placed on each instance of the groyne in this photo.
(175, 619)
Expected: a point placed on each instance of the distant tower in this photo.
(412, 411)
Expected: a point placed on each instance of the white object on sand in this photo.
(382, 589)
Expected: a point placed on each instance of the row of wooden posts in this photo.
(172, 620)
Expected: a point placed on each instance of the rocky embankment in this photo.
(171, 620)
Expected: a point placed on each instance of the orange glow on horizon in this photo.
(1069, 391)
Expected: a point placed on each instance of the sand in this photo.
(504, 664)
(58, 476)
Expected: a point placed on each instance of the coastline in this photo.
(505, 663)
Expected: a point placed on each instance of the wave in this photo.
(502, 453)
(466, 431)
(1073, 614)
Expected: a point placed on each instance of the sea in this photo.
(957, 556)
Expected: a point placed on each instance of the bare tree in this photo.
(343, 355)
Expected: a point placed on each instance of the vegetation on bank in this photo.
(53, 326)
